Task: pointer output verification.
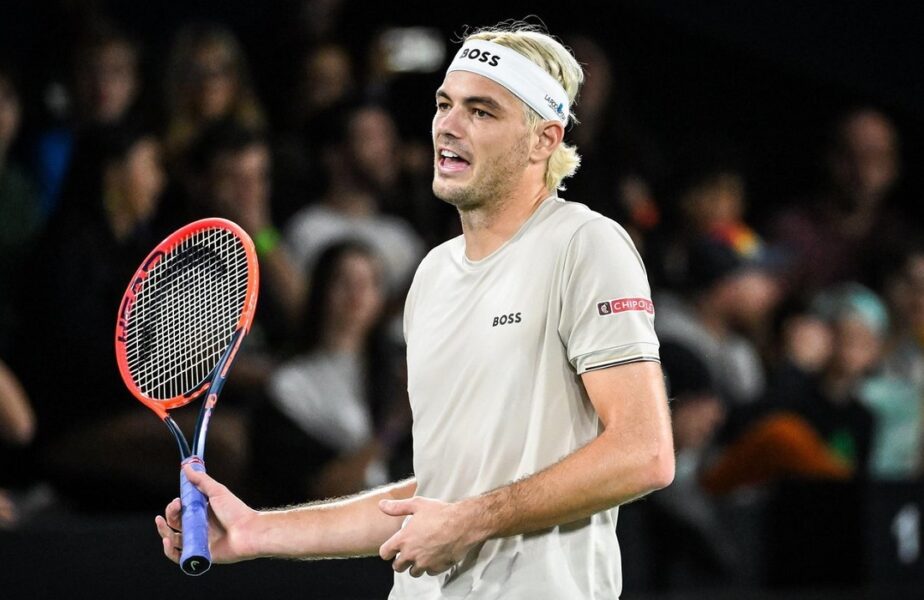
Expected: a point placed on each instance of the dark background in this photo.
(769, 75)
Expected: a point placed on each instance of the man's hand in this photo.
(229, 518)
(435, 536)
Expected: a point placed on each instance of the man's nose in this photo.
(448, 123)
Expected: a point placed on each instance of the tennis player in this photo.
(538, 400)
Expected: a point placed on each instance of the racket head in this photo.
(181, 309)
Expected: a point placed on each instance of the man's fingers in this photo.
(163, 528)
(389, 549)
(203, 481)
(170, 539)
(416, 571)
(401, 564)
(172, 514)
(398, 508)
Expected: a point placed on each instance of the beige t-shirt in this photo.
(495, 351)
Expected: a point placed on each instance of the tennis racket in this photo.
(180, 324)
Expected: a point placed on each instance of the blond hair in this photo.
(547, 52)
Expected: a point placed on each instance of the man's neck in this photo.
(486, 229)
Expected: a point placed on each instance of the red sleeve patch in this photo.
(625, 304)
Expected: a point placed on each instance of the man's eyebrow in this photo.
(487, 101)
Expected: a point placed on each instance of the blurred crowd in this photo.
(793, 345)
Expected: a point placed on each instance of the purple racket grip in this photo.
(195, 559)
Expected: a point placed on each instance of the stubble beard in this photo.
(494, 184)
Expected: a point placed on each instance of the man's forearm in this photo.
(594, 478)
(349, 527)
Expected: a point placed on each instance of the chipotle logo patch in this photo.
(625, 304)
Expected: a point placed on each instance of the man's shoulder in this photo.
(441, 253)
(570, 215)
(566, 219)
(570, 225)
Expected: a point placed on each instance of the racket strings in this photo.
(186, 313)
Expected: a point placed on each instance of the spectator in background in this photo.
(731, 286)
(896, 394)
(619, 161)
(323, 79)
(17, 430)
(19, 206)
(335, 404)
(903, 285)
(19, 226)
(815, 425)
(692, 548)
(359, 157)
(229, 175)
(842, 231)
(105, 84)
(708, 197)
(208, 80)
(90, 430)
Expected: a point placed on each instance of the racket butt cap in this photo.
(195, 558)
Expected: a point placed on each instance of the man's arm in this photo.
(633, 456)
(341, 528)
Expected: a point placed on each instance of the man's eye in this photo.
(442, 106)
(481, 114)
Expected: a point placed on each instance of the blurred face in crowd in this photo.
(864, 166)
(695, 418)
(139, 178)
(748, 296)
(325, 78)
(239, 182)
(356, 296)
(373, 147)
(857, 347)
(598, 82)
(715, 202)
(9, 115)
(107, 83)
(906, 295)
(480, 140)
(212, 81)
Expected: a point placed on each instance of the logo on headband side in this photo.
(558, 107)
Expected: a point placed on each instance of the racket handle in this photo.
(195, 558)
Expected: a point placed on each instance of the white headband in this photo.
(522, 77)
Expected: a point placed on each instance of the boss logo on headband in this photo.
(480, 56)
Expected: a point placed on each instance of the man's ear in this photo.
(550, 135)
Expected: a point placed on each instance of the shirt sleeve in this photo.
(607, 316)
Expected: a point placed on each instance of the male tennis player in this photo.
(538, 400)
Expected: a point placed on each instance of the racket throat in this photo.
(178, 435)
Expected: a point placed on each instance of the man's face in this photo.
(480, 141)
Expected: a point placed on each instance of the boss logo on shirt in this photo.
(507, 319)
(625, 304)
